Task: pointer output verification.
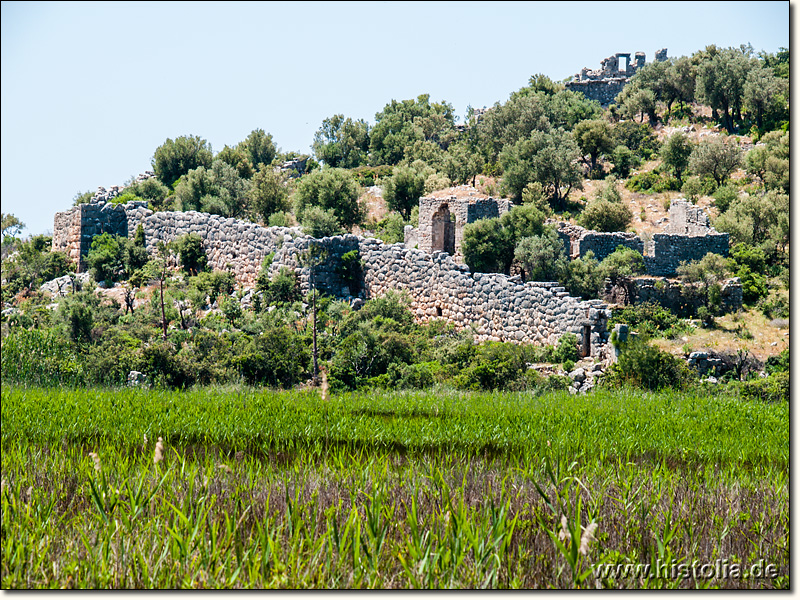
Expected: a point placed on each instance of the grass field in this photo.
(251, 488)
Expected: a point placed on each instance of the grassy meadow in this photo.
(247, 488)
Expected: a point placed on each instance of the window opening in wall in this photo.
(438, 311)
(443, 238)
(586, 347)
(623, 64)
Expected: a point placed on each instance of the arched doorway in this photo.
(443, 238)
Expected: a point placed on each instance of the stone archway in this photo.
(443, 234)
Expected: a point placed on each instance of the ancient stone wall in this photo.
(683, 300)
(605, 83)
(579, 241)
(670, 250)
(441, 221)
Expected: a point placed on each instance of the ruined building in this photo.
(605, 83)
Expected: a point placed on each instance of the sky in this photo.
(91, 89)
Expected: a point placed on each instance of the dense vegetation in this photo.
(412, 457)
(247, 488)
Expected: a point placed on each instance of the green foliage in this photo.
(342, 143)
(332, 190)
(391, 229)
(624, 160)
(259, 149)
(403, 189)
(191, 252)
(548, 158)
(319, 222)
(39, 357)
(105, 258)
(675, 153)
(624, 262)
(152, 190)
(643, 365)
(779, 363)
(213, 284)
(269, 194)
(652, 182)
(774, 388)
(175, 158)
(401, 126)
(594, 138)
(542, 257)
(694, 187)
(497, 366)
(488, 244)
(606, 212)
(33, 265)
(11, 226)
(721, 78)
(567, 349)
(716, 158)
(770, 161)
(236, 158)
(761, 220)
(637, 137)
(283, 288)
(82, 198)
(352, 271)
(650, 320)
(584, 277)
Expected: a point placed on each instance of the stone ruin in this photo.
(605, 83)
(441, 222)
(439, 286)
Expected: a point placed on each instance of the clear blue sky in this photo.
(90, 90)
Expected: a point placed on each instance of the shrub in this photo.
(191, 252)
(497, 366)
(391, 230)
(779, 363)
(649, 319)
(164, 366)
(652, 182)
(645, 366)
(319, 222)
(105, 258)
(283, 288)
(624, 160)
(567, 349)
(602, 215)
(277, 357)
(724, 197)
(214, 284)
(774, 388)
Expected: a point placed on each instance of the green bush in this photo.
(497, 366)
(647, 367)
(391, 230)
(214, 284)
(191, 252)
(651, 182)
(650, 319)
(567, 349)
(774, 388)
(779, 363)
(278, 358)
(283, 288)
(351, 271)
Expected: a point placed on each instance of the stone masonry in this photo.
(441, 221)
(605, 83)
(500, 307)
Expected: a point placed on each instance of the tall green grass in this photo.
(421, 490)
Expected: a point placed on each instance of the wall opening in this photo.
(624, 61)
(443, 238)
(438, 311)
(586, 346)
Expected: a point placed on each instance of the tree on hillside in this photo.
(717, 158)
(765, 93)
(770, 161)
(758, 221)
(341, 142)
(675, 153)
(639, 102)
(550, 158)
(330, 189)
(721, 82)
(542, 256)
(236, 158)
(606, 212)
(217, 190)
(403, 190)
(402, 124)
(488, 244)
(11, 225)
(150, 189)
(259, 148)
(269, 194)
(593, 138)
(177, 157)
